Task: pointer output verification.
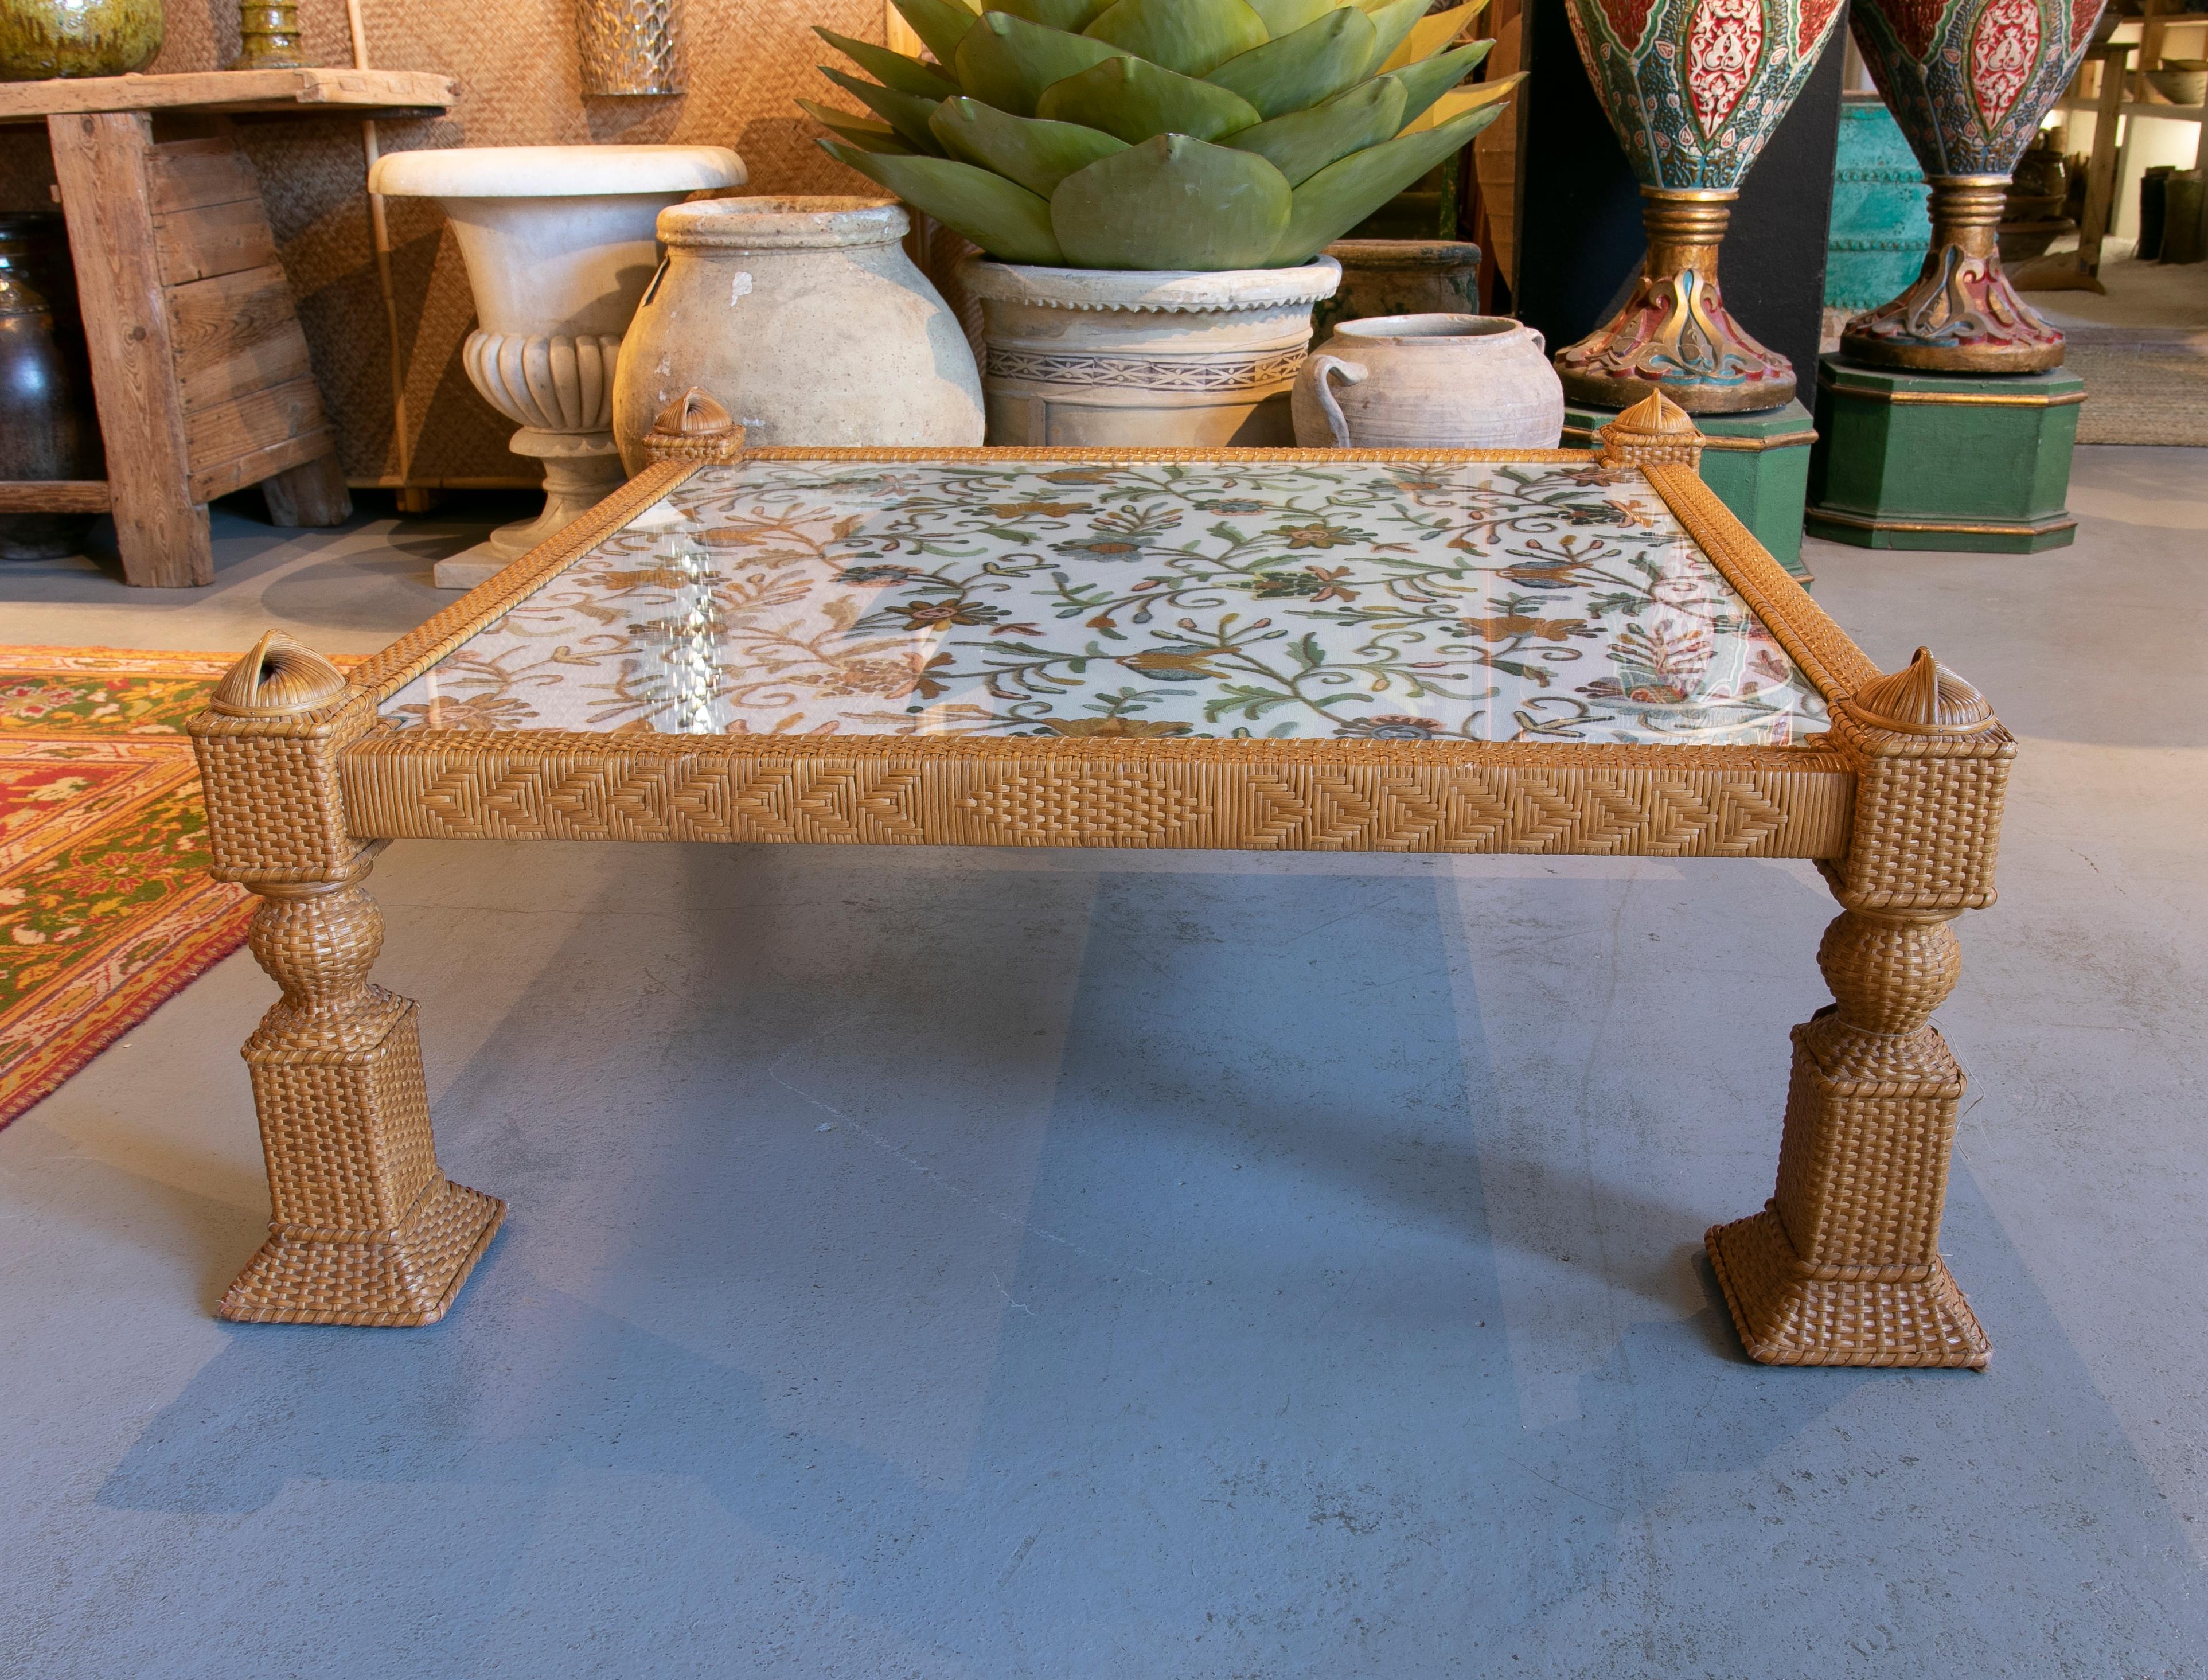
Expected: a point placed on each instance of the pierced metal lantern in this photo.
(629, 47)
(1969, 84)
(1693, 88)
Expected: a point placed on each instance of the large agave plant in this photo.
(1161, 133)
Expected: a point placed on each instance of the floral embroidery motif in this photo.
(2004, 52)
(1724, 41)
(1491, 601)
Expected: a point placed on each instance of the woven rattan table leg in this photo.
(364, 1228)
(1843, 1265)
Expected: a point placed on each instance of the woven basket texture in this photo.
(520, 84)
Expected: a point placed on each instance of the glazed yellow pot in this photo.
(49, 37)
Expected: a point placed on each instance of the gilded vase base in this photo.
(1673, 335)
(1960, 315)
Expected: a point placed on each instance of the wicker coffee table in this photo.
(1415, 652)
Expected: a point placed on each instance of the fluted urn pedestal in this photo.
(1969, 85)
(1693, 88)
(559, 245)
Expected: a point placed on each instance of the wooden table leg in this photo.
(364, 1228)
(100, 163)
(1843, 1266)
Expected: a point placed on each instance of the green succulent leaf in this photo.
(1284, 17)
(1007, 221)
(892, 69)
(862, 132)
(1303, 68)
(941, 23)
(1172, 202)
(1304, 142)
(1072, 15)
(1190, 36)
(1035, 153)
(1391, 23)
(1343, 194)
(1427, 80)
(1007, 62)
(1135, 100)
(907, 113)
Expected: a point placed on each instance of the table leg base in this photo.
(408, 1276)
(1791, 1312)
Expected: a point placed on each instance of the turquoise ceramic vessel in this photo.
(40, 38)
(1880, 228)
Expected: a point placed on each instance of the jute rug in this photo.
(2141, 391)
(105, 908)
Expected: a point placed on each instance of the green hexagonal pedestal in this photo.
(1954, 461)
(1758, 465)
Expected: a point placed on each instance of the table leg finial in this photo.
(1843, 1265)
(364, 1227)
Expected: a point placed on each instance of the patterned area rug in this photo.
(2140, 392)
(105, 908)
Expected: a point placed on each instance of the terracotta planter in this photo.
(50, 38)
(805, 318)
(1968, 86)
(1429, 382)
(1693, 90)
(1110, 357)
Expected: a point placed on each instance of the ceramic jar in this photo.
(49, 428)
(1429, 382)
(804, 318)
(1118, 357)
(1401, 277)
(50, 38)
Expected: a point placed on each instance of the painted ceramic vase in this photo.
(1693, 88)
(1968, 81)
(50, 38)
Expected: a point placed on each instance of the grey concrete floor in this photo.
(958, 1264)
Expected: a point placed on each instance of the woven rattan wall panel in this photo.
(514, 63)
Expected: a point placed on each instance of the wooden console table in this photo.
(198, 363)
(1409, 651)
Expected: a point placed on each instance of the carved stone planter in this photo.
(558, 241)
(1110, 357)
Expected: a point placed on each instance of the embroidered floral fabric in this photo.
(1492, 601)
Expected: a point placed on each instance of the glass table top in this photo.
(1488, 601)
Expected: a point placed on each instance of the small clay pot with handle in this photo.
(1429, 382)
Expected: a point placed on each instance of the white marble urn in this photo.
(559, 245)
